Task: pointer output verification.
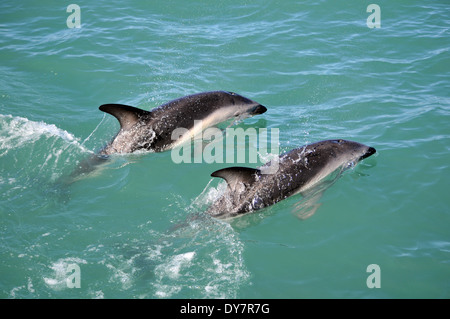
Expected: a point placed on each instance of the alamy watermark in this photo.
(213, 146)
(73, 280)
(72, 276)
(67, 274)
(74, 19)
(374, 279)
(374, 19)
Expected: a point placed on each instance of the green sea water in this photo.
(321, 71)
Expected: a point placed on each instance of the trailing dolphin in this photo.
(298, 171)
(152, 130)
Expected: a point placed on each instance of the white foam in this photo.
(16, 131)
(212, 268)
(98, 295)
(173, 267)
(209, 195)
(28, 287)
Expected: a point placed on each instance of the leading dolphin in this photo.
(152, 130)
(298, 171)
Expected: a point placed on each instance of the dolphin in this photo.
(299, 170)
(152, 130)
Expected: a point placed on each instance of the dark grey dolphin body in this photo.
(152, 130)
(298, 170)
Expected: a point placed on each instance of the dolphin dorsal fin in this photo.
(125, 114)
(235, 175)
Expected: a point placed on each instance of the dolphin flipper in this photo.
(235, 175)
(308, 205)
(125, 114)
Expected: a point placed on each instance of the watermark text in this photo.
(74, 19)
(374, 279)
(234, 145)
(374, 19)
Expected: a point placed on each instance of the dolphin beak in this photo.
(258, 109)
(368, 153)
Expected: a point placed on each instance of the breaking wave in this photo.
(34, 154)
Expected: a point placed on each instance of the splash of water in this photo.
(34, 154)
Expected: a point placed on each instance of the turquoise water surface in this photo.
(129, 229)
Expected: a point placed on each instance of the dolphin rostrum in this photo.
(152, 130)
(298, 171)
